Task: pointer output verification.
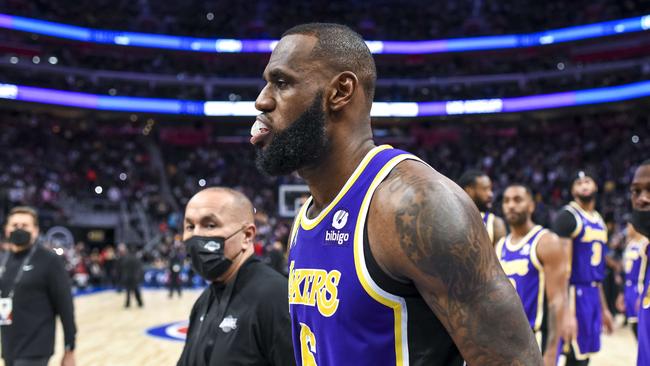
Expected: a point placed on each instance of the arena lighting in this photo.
(135, 39)
(379, 109)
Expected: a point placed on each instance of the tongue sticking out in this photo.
(258, 131)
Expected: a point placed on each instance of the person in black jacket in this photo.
(242, 318)
(132, 275)
(34, 288)
(175, 267)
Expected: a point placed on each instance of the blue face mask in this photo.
(207, 255)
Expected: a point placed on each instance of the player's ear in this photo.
(341, 90)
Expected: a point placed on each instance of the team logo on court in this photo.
(176, 331)
(340, 219)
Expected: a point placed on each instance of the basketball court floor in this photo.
(109, 335)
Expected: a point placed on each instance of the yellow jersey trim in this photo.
(642, 269)
(593, 216)
(576, 216)
(520, 244)
(489, 225)
(309, 224)
(296, 225)
(499, 247)
(542, 280)
(394, 302)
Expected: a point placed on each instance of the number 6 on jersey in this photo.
(307, 346)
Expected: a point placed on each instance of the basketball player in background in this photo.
(389, 261)
(640, 189)
(536, 264)
(584, 234)
(479, 188)
(634, 262)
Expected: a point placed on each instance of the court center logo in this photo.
(176, 331)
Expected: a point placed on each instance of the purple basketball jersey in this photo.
(523, 268)
(340, 315)
(644, 312)
(632, 262)
(589, 246)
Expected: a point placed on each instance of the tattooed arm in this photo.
(553, 257)
(423, 228)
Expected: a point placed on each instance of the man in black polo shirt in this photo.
(242, 318)
(34, 288)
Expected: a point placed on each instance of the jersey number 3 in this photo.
(307, 346)
(596, 254)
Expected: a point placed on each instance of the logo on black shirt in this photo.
(228, 324)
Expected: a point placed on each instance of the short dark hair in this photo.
(529, 191)
(645, 162)
(469, 178)
(342, 49)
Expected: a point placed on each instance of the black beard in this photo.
(519, 219)
(302, 144)
(482, 206)
(586, 199)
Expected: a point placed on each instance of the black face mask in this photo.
(20, 237)
(641, 222)
(207, 255)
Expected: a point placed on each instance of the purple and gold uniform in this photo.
(488, 221)
(344, 309)
(523, 268)
(644, 310)
(587, 271)
(632, 261)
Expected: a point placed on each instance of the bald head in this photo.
(226, 203)
(219, 212)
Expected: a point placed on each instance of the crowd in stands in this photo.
(57, 162)
(412, 20)
(52, 163)
(50, 160)
(385, 92)
(384, 19)
(187, 65)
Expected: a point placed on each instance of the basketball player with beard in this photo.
(478, 187)
(584, 234)
(389, 261)
(536, 264)
(634, 263)
(640, 189)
